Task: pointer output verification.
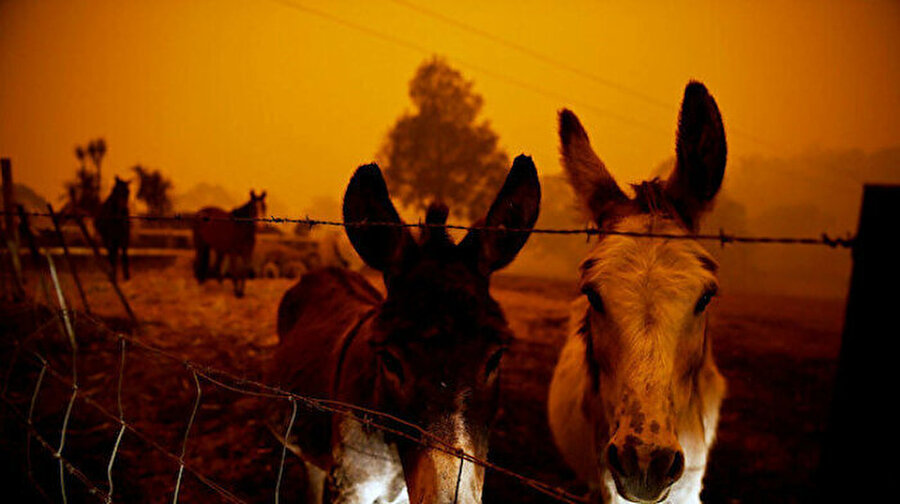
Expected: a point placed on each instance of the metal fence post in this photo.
(856, 444)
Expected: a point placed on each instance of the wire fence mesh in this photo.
(203, 373)
(200, 373)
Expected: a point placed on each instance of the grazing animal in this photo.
(216, 231)
(114, 227)
(428, 353)
(635, 396)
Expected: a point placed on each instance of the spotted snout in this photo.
(436, 477)
(644, 468)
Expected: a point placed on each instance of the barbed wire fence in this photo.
(128, 342)
(722, 237)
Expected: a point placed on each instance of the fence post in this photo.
(853, 466)
(71, 262)
(10, 233)
(9, 198)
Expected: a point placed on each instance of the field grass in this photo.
(778, 354)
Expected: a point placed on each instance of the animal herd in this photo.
(634, 399)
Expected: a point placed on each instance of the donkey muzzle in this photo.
(436, 477)
(644, 473)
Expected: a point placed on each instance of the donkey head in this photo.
(257, 204)
(439, 336)
(121, 191)
(644, 321)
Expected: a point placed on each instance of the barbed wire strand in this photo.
(722, 237)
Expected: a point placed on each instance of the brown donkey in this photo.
(429, 353)
(635, 397)
(231, 234)
(113, 224)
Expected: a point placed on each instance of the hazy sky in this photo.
(292, 96)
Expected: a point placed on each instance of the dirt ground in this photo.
(779, 355)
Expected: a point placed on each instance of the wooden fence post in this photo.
(10, 233)
(857, 460)
(9, 199)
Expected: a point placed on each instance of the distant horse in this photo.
(113, 225)
(635, 396)
(428, 353)
(226, 235)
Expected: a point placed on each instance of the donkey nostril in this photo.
(677, 467)
(666, 466)
(612, 459)
(623, 462)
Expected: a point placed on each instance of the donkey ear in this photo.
(587, 175)
(262, 195)
(367, 201)
(516, 207)
(701, 154)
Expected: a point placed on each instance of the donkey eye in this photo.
(392, 364)
(704, 300)
(595, 299)
(493, 363)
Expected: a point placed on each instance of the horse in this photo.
(227, 235)
(114, 227)
(428, 352)
(635, 395)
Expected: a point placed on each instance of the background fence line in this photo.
(722, 237)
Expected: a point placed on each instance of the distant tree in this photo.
(80, 155)
(96, 150)
(154, 190)
(441, 151)
(82, 194)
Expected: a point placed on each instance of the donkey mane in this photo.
(651, 198)
(243, 210)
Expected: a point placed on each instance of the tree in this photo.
(82, 193)
(96, 150)
(154, 190)
(440, 151)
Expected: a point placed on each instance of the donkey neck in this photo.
(245, 211)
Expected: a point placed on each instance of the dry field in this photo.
(779, 355)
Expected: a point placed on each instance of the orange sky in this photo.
(261, 94)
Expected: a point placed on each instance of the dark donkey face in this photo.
(439, 336)
(257, 204)
(121, 190)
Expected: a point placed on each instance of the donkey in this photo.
(635, 396)
(114, 227)
(226, 235)
(427, 353)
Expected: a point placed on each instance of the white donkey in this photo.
(635, 396)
